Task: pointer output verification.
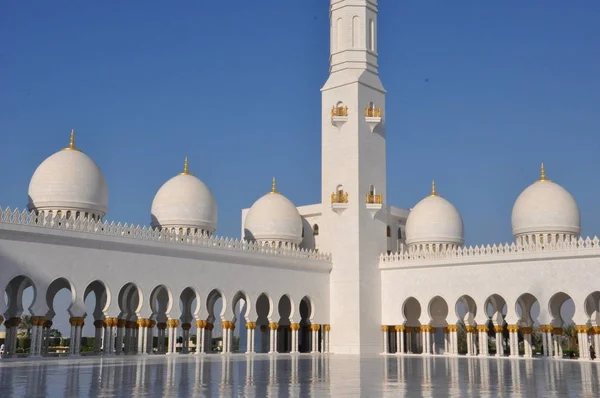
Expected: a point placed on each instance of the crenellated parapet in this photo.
(568, 247)
(62, 222)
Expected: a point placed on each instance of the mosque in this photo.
(349, 275)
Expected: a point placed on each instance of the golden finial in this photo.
(542, 173)
(433, 192)
(72, 142)
(186, 169)
(274, 186)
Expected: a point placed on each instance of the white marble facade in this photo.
(351, 274)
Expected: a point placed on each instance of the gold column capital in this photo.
(513, 328)
(399, 328)
(327, 328)
(200, 323)
(273, 325)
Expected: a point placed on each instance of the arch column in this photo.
(162, 336)
(596, 337)
(75, 336)
(119, 340)
(150, 336)
(172, 337)
(98, 333)
(325, 345)
(498, 329)
(251, 327)
(10, 338)
(208, 336)
(514, 340)
(483, 340)
(582, 337)
(527, 343)
(185, 327)
(295, 327)
(200, 330)
(384, 329)
(471, 349)
(142, 338)
(273, 326)
(556, 334)
(400, 339)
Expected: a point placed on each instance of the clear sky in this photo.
(479, 93)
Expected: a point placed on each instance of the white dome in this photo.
(434, 220)
(69, 180)
(273, 218)
(184, 202)
(545, 208)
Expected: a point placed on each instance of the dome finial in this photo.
(72, 142)
(542, 172)
(433, 192)
(274, 186)
(186, 169)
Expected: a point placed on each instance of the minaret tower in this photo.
(354, 176)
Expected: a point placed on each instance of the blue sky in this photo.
(236, 88)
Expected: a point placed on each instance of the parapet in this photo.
(29, 218)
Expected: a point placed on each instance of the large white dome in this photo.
(69, 180)
(184, 202)
(434, 220)
(273, 218)
(545, 208)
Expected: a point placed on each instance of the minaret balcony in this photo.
(339, 201)
(373, 117)
(374, 203)
(339, 116)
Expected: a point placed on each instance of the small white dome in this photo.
(434, 220)
(69, 180)
(545, 208)
(273, 218)
(184, 202)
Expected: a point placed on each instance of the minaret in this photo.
(353, 160)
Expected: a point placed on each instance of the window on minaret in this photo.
(315, 230)
(371, 35)
(355, 32)
(388, 232)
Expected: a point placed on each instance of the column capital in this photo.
(151, 323)
(482, 328)
(527, 330)
(498, 328)
(384, 328)
(513, 328)
(452, 328)
(273, 325)
(173, 323)
(399, 328)
(327, 328)
(251, 325)
(121, 323)
(557, 331)
(295, 326)
(200, 323)
(596, 329)
(209, 326)
(161, 325)
(581, 328)
(99, 323)
(186, 326)
(470, 329)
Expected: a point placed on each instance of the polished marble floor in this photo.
(297, 376)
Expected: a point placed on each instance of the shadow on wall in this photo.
(308, 238)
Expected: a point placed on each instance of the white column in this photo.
(327, 335)
(548, 336)
(120, 336)
(596, 342)
(250, 337)
(72, 335)
(384, 330)
(401, 335)
(34, 337)
(499, 345)
(200, 327)
(106, 348)
(78, 337)
(398, 329)
(141, 338)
